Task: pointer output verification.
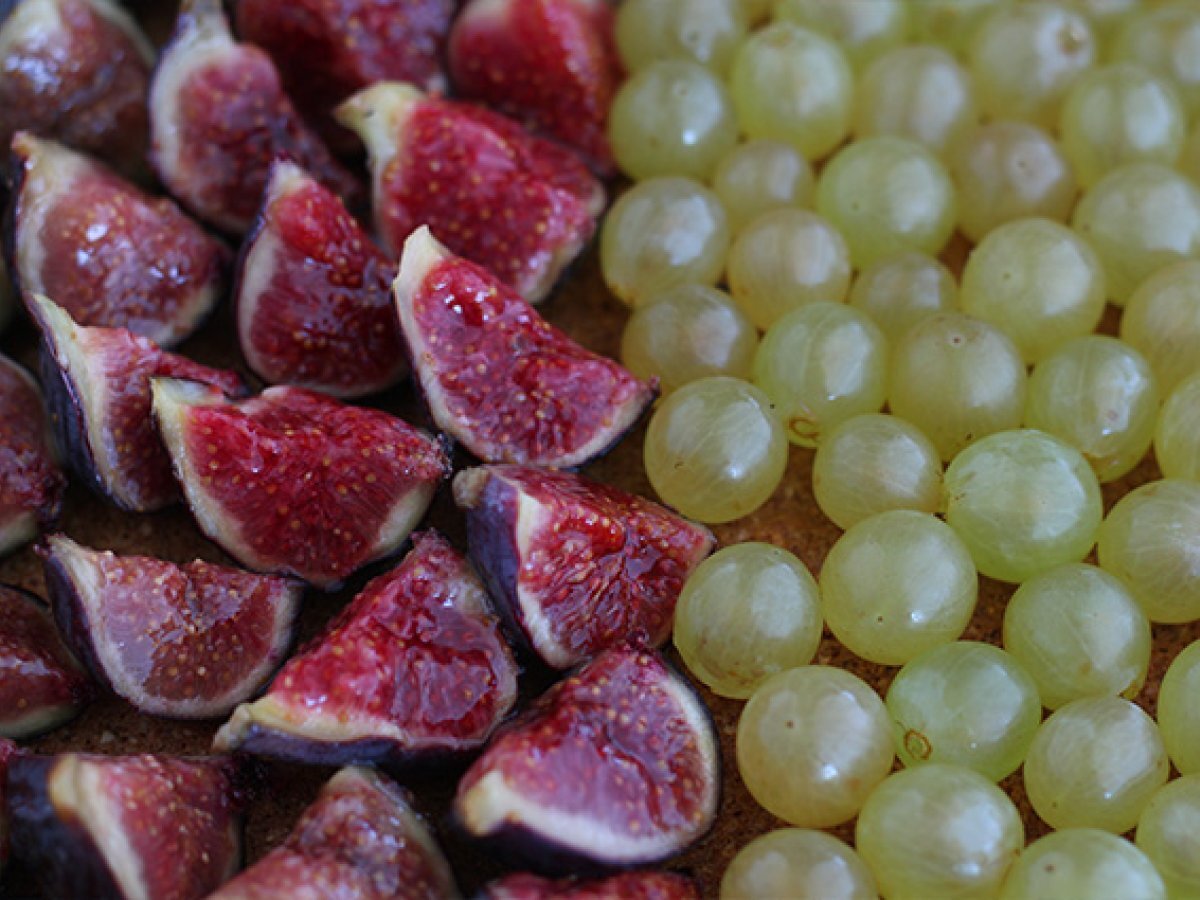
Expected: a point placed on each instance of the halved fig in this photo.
(111, 254)
(618, 765)
(498, 377)
(185, 642)
(130, 827)
(7, 751)
(294, 482)
(626, 886)
(415, 668)
(359, 840)
(578, 566)
(98, 391)
(42, 686)
(219, 116)
(31, 485)
(314, 303)
(550, 64)
(519, 205)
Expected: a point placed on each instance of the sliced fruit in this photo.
(517, 204)
(499, 378)
(219, 116)
(415, 667)
(41, 684)
(615, 766)
(7, 751)
(313, 297)
(111, 254)
(294, 482)
(578, 566)
(626, 886)
(359, 839)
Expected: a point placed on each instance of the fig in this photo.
(7, 751)
(626, 886)
(550, 64)
(498, 377)
(313, 299)
(517, 204)
(615, 766)
(414, 669)
(577, 566)
(31, 485)
(185, 642)
(359, 840)
(111, 254)
(41, 684)
(98, 392)
(218, 118)
(127, 827)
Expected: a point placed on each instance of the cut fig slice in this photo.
(126, 826)
(616, 766)
(626, 886)
(41, 684)
(519, 205)
(185, 642)
(498, 377)
(294, 482)
(314, 294)
(359, 840)
(414, 669)
(111, 254)
(7, 751)
(98, 390)
(578, 566)
(219, 116)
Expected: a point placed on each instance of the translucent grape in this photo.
(1178, 718)
(897, 584)
(799, 864)
(949, 23)
(715, 450)
(747, 612)
(1167, 41)
(1169, 834)
(759, 176)
(863, 30)
(1162, 320)
(811, 744)
(901, 290)
(1177, 433)
(1106, 16)
(1079, 863)
(706, 31)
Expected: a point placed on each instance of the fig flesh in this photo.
(31, 485)
(626, 886)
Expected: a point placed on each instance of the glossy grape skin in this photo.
(1106, 16)
(901, 290)
(705, 31)
(1094, 764)
(863, 30)
(1177, 432)
(1169, 834)
(1162, 320)
(746, 613)
(1080, 633)
(938, 831)
(799, 864)
(1166, 40)
(949, 23)
(715, 450)
(811, 744)
(1078, 863)
(1177, 715)
(759, 176)
(897, 584)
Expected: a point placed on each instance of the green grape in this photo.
(897, 584)
(799, 864)
(1178, 717)
(1037, 281)
(1082, 863)
(1098, 394)
(1162, 320)
(759, 176)
(715, 450)
(1167, 41)
(863, 30)
(901, 290)
(1151, 540)
(1169, 834)
(872, 463)
(672, 118)
(1177, 433)
(887, 194)
(1094, 764)
(706, 31)
(687, 333)
(1105, 16)
(662, 233)
(965, 703)
(811, 744)
(820, 365)
(1080, 633)
(747, 612)
(1189, 157)
(1139, 218)
(937, 832)
(785, 259)
(957, 379)
(1009, 170)
(950, 23)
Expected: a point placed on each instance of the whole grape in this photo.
(759, 176)
(1178, 718)
(704, 31)
(1166, 40)
(899, 291)
(1169, 834)
(862, 30)
(1162, 320)
(800, 864)
(1177, 432)
(1076, 863)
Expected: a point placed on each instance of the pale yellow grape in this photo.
(1079, 864)
(957, 378)
(706, 31)
(759, 176)
(1095, 764)
(1106, 16)
(812, 742)
(871, 463)
(1162, 320)
(799, 864)
(1166, 40)
(950, 23)
(888, 194)
(1177, 432)
(1169, 834)
(863, 28)
(793, 85)
(896, 585)
(1178, 718)
(901, 290)
(1080, 633)
(784, 259)
(1099, 395)
(687, 333)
